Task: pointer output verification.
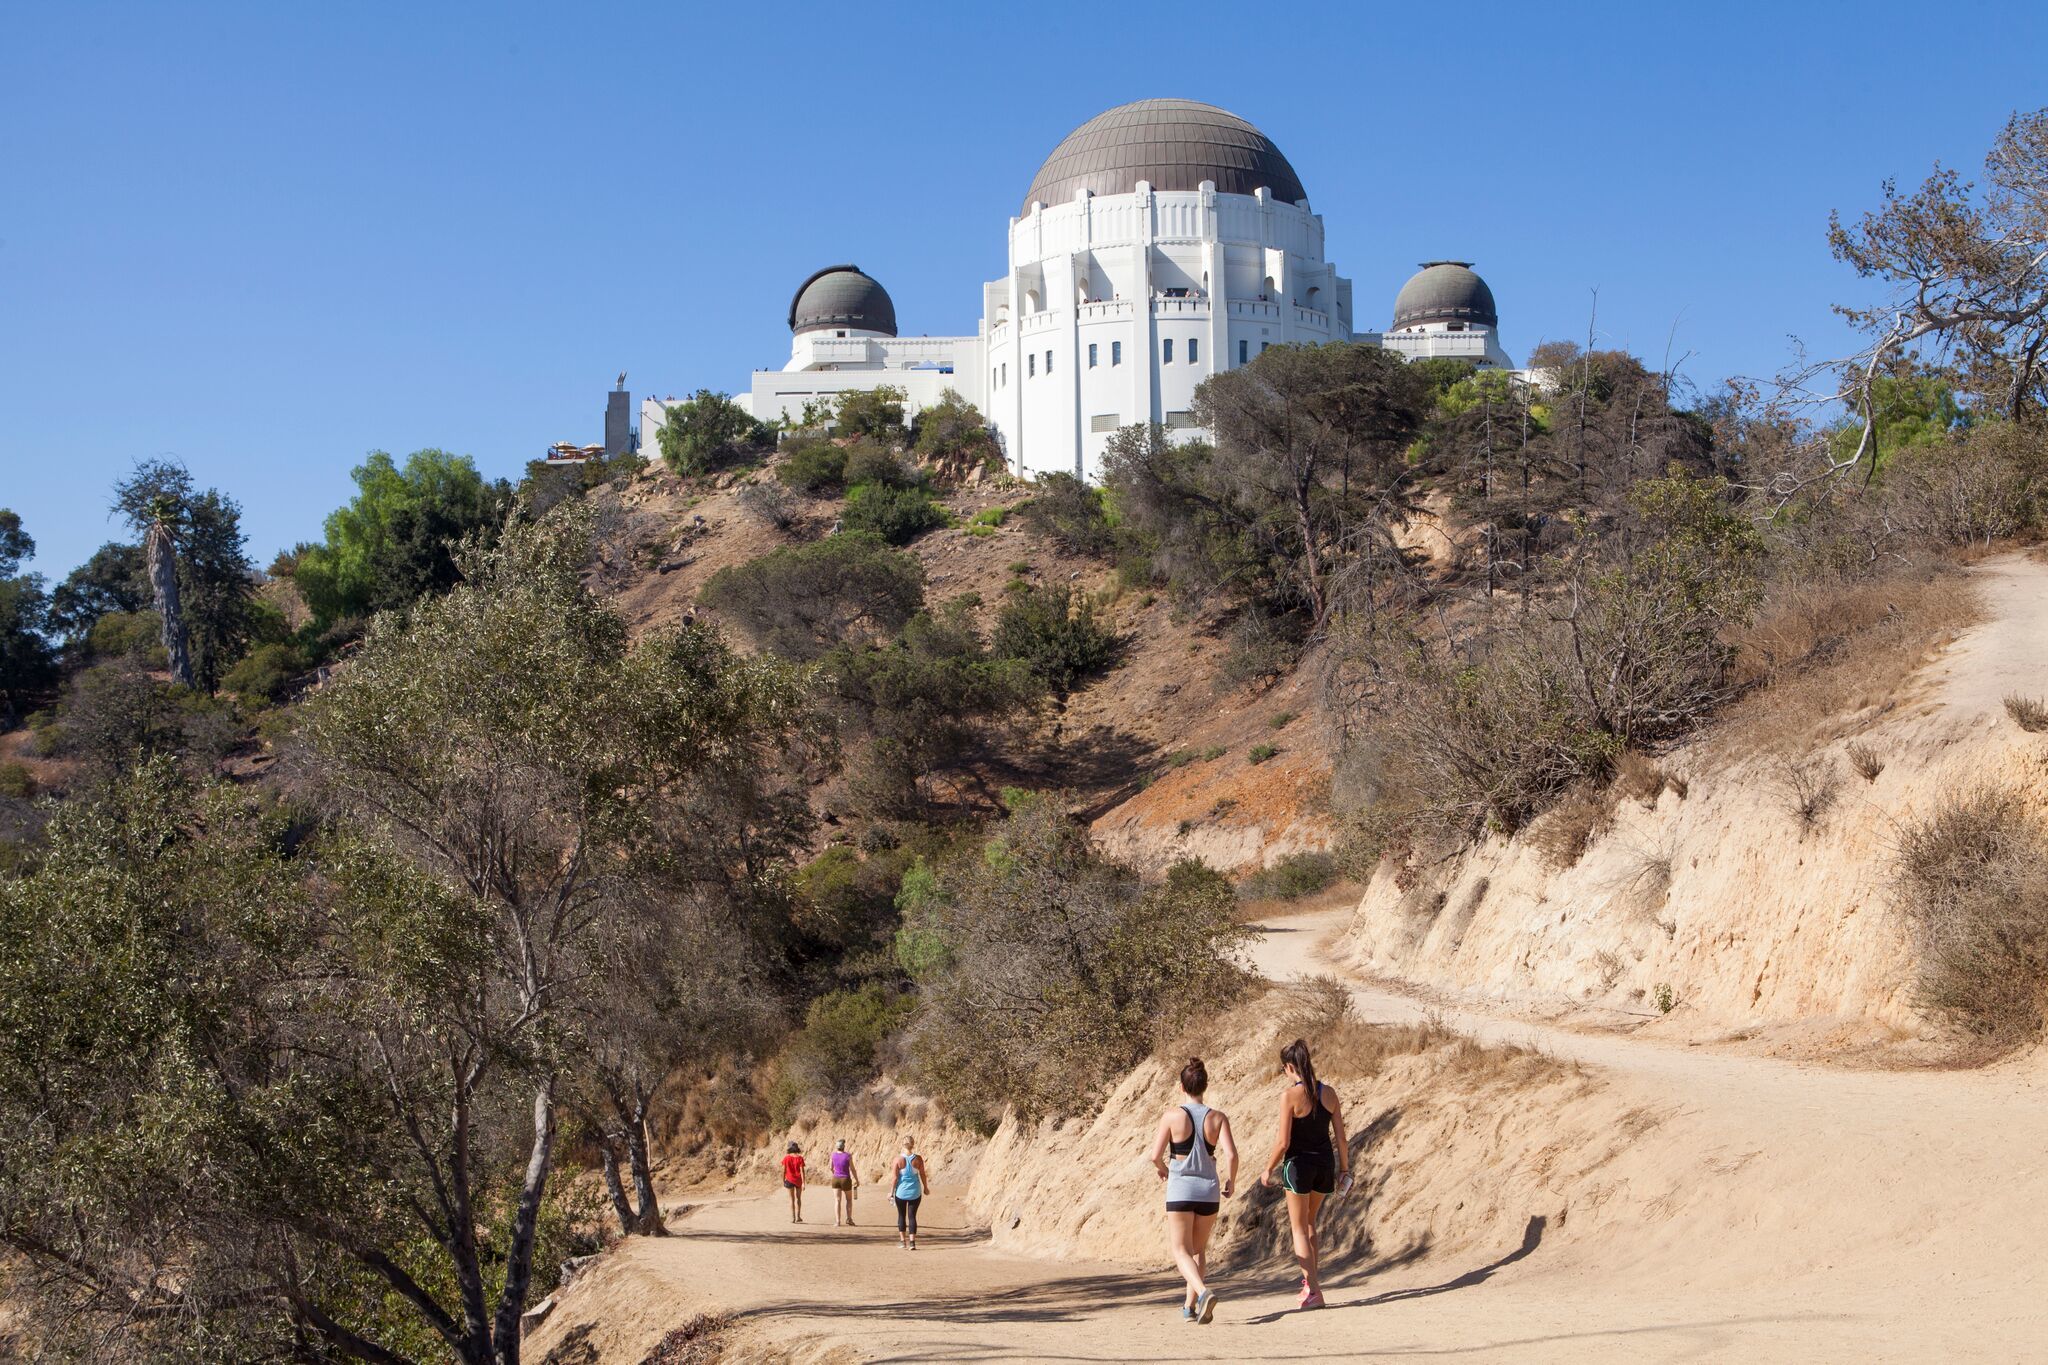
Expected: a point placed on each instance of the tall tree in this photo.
(27, 663)
(201, 578)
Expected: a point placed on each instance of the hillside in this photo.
(1114, 743)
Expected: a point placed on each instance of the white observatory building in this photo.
(1159, 243)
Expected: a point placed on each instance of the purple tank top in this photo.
(842, 1165)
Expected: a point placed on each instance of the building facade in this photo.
(1160, 243)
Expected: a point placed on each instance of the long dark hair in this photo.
(1295, 1054)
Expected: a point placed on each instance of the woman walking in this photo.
(793, 1181)
(910, 1184)
(1192, 1133)
(1311, 1154)
(845, 1180)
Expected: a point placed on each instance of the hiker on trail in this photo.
(1311, 1154)
(909, 1185)
(793, 1181)
(1193, 1134)
(845, 1180)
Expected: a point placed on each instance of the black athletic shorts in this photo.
(1205, 1207)
(1312, 1174)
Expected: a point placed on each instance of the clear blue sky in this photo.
(266, 239)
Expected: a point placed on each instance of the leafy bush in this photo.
(708, 431)
(813, 467)
(845, 902)
(770, 503)
(868, 462)
(953, 437)
(1070, 514)
(125, 635)
(1279, 720)
(1054, 631)
(1042, 1010)
(1972, 878)
(875, 413)
(897, 515)
(802, 600)
(1213, 752)
(1291, 877)
(16, 780)
(1259, 753)
(834, 1055)
(264, 672)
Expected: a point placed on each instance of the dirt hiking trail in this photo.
(1853, 1216)
(1766, 1210)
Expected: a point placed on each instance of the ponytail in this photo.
(1295, 1054)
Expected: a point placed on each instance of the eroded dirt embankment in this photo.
(1717, 896)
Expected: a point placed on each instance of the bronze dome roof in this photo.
(1170, 144)
(841, 296)
(1445, 291)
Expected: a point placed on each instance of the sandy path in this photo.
(1896, 1216)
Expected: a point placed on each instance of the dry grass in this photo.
(1972, 879)
(2027, 712)
(1346, 1047)
(1810, 788)
(1819, 655)
(1637, 777)
(1867, 761)
(700, 1341)
(1563, 833)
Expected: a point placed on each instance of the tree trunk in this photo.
(613, 1186)
(519, 1251)
(648, 1221)
(163, 579)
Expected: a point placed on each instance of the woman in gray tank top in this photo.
(1185, 1149)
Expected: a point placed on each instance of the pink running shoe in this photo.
(1311, 1300)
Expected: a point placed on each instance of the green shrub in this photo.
(16, 780)
(1180, 758)
(873, 413)
(897, 515)
(1259, 753)
(868, 462)
(264, 672)
(845, 902)
(1280, 720)
(1054, 631)
(953, 437)
(1071, 515)
(1020, 567)
(1290, 878)
(989, 516)
(707, 432)
(835, 1054)
(813, 467)
(1213, 752)
(128, 634)
(802, 600)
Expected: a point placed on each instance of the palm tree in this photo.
(160, 546)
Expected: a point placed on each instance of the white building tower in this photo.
(1161, 242)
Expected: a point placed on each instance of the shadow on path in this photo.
(1532, 1237)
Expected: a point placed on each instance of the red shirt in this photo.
(793, 1169)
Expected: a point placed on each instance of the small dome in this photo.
(841, 297)
(1169, 144)
(1445, 291)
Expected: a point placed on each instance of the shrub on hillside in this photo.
(264, 672)
(1070, 514)
(707, 432)
(835, 1053)
(16, 781)
(1058, 968)
(870, 462)
(846, 902)
(1054, 632)
(875, 413)
(953, 437)
(2029, 713)
(814, 467)
(802, 600)
(1972, 878)
(1291, 877)
(897, 515)
(770, 503)
(125, 635)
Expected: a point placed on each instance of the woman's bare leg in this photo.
(1301, 1214)
(1180, 1240)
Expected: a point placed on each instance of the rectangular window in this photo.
(1031, 366)
(1168, 344)
(1091, 355)
(1178, 420)
(1116, 353)
(1103, 421)
(1194, 350)
(1048, 362)
(1244, 353)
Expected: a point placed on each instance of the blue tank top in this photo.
(909, 1185)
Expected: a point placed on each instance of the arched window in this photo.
(1031, 304)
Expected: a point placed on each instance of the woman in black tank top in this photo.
(1311, 1154)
